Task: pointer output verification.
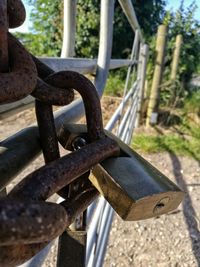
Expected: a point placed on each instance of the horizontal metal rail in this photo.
(116, 115)
(83, 65)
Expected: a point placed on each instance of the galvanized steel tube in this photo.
(69, 28)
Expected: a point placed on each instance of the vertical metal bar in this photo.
(115, 116)
(124, 120)
(128, 127)
(69, 28)
(132, 124)
(92, 228)
(144, 59)
(133, 57)
(39, 259)
(75, 110)
(71, 249)
(105, 43)
(123, 131)
(103, 236)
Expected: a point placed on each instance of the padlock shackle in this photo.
(89, 94)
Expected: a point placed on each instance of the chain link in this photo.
(27, 222)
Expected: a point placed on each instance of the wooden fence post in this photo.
(152, 111)
(142, 75)
(176, 56)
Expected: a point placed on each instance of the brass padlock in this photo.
(134, 188)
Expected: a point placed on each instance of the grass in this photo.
(191, 103)
(184, 139)
(114, 85)
(182, 135)
(171, 143)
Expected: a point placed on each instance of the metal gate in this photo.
(125, 118)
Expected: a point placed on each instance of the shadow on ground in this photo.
(189, 213)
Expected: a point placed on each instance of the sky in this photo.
(171, 4)
(174, 4)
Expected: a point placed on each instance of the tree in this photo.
(47, 26)
(47, 22)
(183, 22)
(150, 14)
(87, 30)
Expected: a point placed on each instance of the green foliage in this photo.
(192, 103)
(47, 26)
(115, 84)
(173, 93)
(180, 138)
(148, 21)
(35, 43)
(88, 21)
(149, 14)
(183, 22)
(167, 143)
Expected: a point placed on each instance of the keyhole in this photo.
(161, 205)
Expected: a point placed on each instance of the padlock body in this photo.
(134, 188)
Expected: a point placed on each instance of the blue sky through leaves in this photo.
(172, 4)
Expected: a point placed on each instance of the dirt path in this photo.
(170, 240)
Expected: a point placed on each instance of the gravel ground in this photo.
(172, 240)
(169, 240)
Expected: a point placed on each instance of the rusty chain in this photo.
(27, 222)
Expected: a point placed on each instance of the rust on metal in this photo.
(51, 95)
(49, 179)
(21, 79)
(79, 185)
(47, 131)
(17, 13)
(80, 203)
(71, 79)
(27, 222)
(45, 93)
(30, 222)
(13, 255)
(3, 36)
(43, 70)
